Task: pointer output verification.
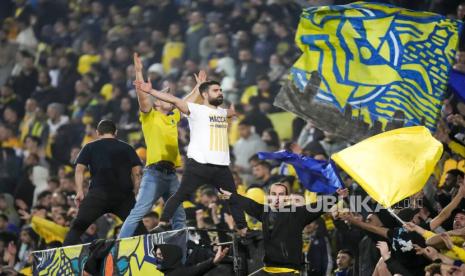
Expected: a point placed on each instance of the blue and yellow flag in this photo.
(376, 62)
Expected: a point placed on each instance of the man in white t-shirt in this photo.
(208, 151)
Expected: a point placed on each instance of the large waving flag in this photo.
(367, 67)
(393, 165)
(315, 175)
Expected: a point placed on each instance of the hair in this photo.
(262, 77)
(254, 158)
(346, 251)
(456, 173)
(206, 85)
(43, 194)
(34, 139)
(245, 122)
(265, 164)
(106, 127)
(152, 214)
(208, 192)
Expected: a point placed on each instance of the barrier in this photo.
(130, 256)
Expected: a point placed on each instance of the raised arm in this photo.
(380, 231)
(146, 87)
(447, 211)
(145, 103)
(193, 96)
(250, 206)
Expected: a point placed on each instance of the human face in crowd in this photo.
(461, 11)
(278, 196)
(215, 95)
(459, 221)
(206, 200)
(59, 219)
(24, 237)
(150, 222)
(52, 112)
(244, 131)
(195, 18)
(260, 172)
(343, 260)
(125, 105)
(245, 56)
(159, 255)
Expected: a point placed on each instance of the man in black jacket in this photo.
(282, 231)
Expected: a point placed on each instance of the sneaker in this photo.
(160, 228)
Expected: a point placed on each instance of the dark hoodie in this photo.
(171, 264)
(282, 232)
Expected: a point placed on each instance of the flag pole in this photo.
(391, 211)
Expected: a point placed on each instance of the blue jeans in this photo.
(154, 184)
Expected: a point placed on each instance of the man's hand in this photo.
(231, 112)
(24, 215)
(220, 254)
(224, 194)
(201, 77)
(138, 66)
(431, 253)
(145, 87)
(411, 227)
(418, 249)
(447, 240)
(343, 192)
(383, 250)
(79, 198)
(242, 232)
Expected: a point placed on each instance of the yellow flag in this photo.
(393, 165)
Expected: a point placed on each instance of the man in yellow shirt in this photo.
(159, 125)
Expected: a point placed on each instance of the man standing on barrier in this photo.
(115, 171)
(208, 151)
(159, 124)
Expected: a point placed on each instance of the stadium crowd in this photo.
(66, 65)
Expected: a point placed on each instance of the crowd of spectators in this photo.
(65, 65)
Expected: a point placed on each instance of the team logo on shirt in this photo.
(218, 133)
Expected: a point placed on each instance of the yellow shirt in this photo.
(171, 50)
(161, 136)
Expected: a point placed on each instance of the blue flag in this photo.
(457, 82)
(316, 176)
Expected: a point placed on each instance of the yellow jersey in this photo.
(161, 136)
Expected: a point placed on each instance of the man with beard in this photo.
(208, 152)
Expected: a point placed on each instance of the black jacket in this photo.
(283, 238)
(171, 264)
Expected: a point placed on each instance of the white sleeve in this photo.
(194, 109)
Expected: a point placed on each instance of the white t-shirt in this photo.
(209, 135)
